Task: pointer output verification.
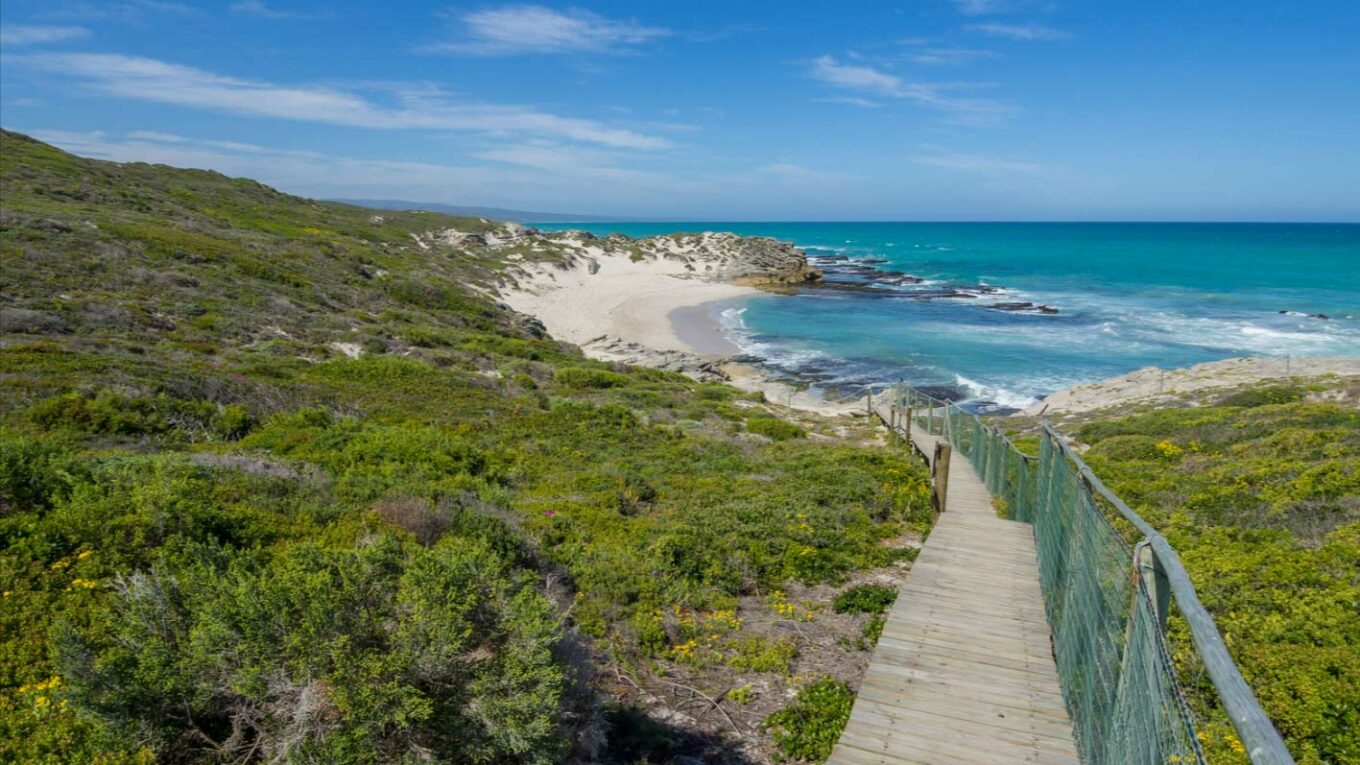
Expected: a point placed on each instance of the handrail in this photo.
(1258, 735)
(1262, 742)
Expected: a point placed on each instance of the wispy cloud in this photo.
(949, 56)
(875, 82)
(856, 77)
(589, 165)
(522, 29)
(527, 176)
(415, 108)
(1019, 31)
(23, 34)
(977, 163)
(981, 7)
(863, 103)
(258, 8)
(238, 147)
(134, 11)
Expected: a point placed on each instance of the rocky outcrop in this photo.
(750, 260)
(612, 348)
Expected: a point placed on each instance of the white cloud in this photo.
(981, 7)
(791, 172)
(866, 79)
(527, 176)
(258, 8)
(863, 103)
(949, 56)
(22, 34)
(977, 163)
(588, 165)
(1019, 31)
(134, 12)
(415, 109)
(826, 69)
(520, 29)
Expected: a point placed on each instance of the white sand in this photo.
(632, 300)
(655, 302)
(1152, 385)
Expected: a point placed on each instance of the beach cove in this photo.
(1001, 315)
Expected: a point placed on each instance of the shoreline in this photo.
(702, 333)
(659, 312)
(654, 312)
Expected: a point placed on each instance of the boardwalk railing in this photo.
(1106, 598)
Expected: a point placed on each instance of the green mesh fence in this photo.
(1108, 641)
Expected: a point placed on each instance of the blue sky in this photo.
(926, 110)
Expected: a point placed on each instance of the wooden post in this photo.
(907, 425)
(939, 469)
(892, 418)
(1154, 580)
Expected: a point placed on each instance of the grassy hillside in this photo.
(277, 483)
(1260, 493)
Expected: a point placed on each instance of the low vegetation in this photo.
(1260, 493)
(808, 728)
(279, 483)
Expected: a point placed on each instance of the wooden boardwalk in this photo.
(964, 672)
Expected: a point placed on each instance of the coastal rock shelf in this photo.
(864, 278)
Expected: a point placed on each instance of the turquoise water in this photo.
(1127, 295)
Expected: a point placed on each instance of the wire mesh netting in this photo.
(1108, 641)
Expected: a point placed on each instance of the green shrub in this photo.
(774, 428)
(808, 728)
(1125, 448)
(873, 629)
(754, 653)
(1263, 396)
(33, 472)
(583, 378)
(115, 414)
(865, 599)
(328, 655)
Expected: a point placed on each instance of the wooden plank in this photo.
(940, 729)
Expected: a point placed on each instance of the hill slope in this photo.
(278, 481)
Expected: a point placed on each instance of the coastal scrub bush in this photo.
(773, 428)
(583, 378)
(1263, 396)
(373, 653)
(865, 599)
(808, 728)
(33, 471)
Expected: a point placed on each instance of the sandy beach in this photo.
(640, 301)
(659, 309)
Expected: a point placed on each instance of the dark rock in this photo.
(1023, 307)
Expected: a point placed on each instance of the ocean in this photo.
(1004, 313)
